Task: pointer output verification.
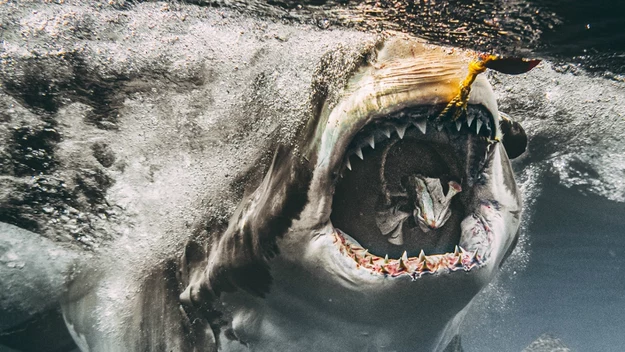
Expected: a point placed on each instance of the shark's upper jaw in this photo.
(406, 186)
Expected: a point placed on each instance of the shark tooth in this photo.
(421, 125)
(359, 153)
(386, 132)
(425, 267)
(383, 269)
(402, 264)
(401, 130)
(458, 261)
(458, 125)
(478, 125)
(456, 251)
(349, 166)
(470, 119)
(422, 256)
(386, 259)
(371, 142)
(475, 258)
(404, 256)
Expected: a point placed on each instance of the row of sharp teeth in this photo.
(385, 132)
(415, 267)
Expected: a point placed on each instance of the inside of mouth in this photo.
(406, 191)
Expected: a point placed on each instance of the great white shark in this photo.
(329, 252)
(365, 221)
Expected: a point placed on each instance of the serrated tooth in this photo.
(371, 142)
(402, 264)
(475, 256)
(424, 266)
(479, 126)
(422, 255)
(401, 130)
(470, 119)
(349, 166)
(359, 154)
(386, 132)
(458, 125)
(421, 125)
(458, 261)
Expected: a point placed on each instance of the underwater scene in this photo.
(320, 175)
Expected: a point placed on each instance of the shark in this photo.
(329, 252)
(358, 214)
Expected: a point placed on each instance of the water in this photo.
(572, 286)
(566, 278)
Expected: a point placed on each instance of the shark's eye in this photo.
(407, 179)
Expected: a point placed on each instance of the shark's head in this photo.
(381, 224)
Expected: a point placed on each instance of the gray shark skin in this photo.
(181, 161)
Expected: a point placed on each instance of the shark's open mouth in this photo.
(408, 189)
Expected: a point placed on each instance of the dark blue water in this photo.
(574, 283)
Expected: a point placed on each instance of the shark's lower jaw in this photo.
(415, 267)
(408, 189)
